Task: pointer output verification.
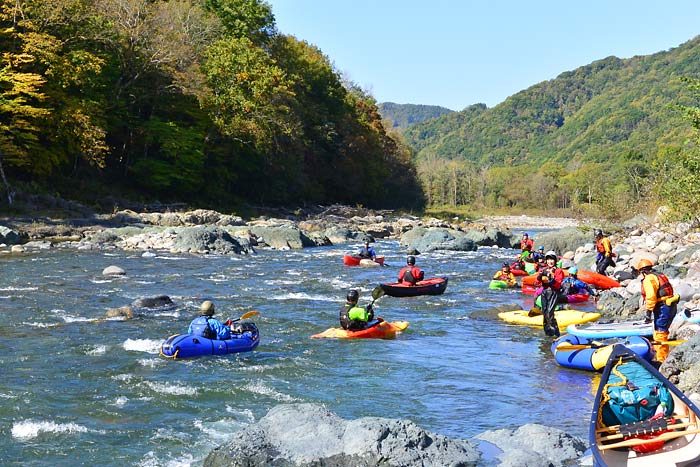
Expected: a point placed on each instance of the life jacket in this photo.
(665, 288)
(408, 275)
(344, 318)
(200, 327)
(526, 245)
(600, 245)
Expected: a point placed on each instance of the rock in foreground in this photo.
(310, 435)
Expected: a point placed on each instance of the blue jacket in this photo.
(576, 285)
(199, 325)
(367, 252)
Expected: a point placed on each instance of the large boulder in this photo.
(9, 236)
(535, 445)
(206, 240)
(568, 238)
(438, 239)
(282, 237)
(310, 435)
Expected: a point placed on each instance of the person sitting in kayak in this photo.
(208, 327)
(367, 252)
(505, 275)
(526, 246)
(410, 273)
(538, 254)
(550, 279)
(572, 285)
(518, 264)
(353, 317)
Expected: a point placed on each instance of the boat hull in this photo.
(188, 346)
(588, 354)
(672, 440)
(382, 330)
(353, 260)
(433, 286)
(564, 318)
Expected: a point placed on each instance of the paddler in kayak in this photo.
(410, 273)
(572, 285)
(353, 317)
(661, 305)
(505, 275)
(208, 327)
(367, 252)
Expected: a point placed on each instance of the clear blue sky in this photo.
(455, 53)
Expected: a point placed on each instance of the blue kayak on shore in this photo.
(243, 339)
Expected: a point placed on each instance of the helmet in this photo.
(598, 233)
(573, 270)
(353, 296)
(551, 254)
(644, 263)
(525, 234)
(540, 248)
(207, 308)
(366, 242)
(506, 266)
(411, 260)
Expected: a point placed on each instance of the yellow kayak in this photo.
(564, 318)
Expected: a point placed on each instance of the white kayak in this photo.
(604, 330)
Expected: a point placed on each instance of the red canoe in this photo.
(354, 260)
(382, 330)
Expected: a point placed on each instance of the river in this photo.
(78, 390)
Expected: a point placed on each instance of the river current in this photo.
(76, 389)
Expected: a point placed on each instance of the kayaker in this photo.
(505, 275)
(367, 251)
(353, 317)
(661, 304)
(526, 245)
(572, 285)
(605, 254)
(410, 273)
(208, 327)
(538, 254)
(550, 279)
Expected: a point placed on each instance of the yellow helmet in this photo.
(207, 308)
(644, 263)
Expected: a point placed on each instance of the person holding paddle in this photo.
(208, 327)
(352, 316)
(367, 252)
(550, 279)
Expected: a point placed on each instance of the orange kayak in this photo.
(382, 330)
(589, 277)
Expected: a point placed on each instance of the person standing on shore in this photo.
(605, 254)
(661, 304)
(550, 279)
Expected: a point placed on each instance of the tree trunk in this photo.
(10, 194)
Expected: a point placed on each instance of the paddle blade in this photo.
(378, 292)
(250, 314)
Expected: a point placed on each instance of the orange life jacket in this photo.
(665, 287)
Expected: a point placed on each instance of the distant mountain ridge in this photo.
(591, 114)
(404, 116)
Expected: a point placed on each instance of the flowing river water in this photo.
(76, 389)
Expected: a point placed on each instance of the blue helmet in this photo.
(573, 270)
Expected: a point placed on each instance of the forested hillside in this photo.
(403, 116)
(589, 138)
(196, 101)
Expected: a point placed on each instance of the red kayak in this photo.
(598, 280)
(354, 260)
(382, 330)
(432, 286)
(519, 272)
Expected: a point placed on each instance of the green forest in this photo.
(602, 139)
(402, 116)
(201, 102)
